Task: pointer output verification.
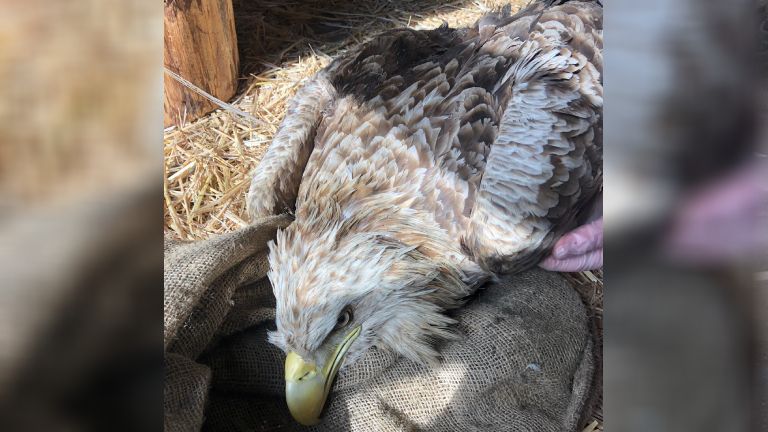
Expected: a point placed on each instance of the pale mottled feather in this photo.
(424, 163)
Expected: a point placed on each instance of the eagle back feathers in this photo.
(425, 162)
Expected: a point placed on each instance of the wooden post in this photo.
(200, 46)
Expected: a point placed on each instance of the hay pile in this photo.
(208, 163)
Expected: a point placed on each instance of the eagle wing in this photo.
(276, 181)
(545, 165)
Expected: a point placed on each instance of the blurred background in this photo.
(80, 215)
(686, 202)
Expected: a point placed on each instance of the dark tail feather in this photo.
(549, 3)
(534, 7)
(496, 18)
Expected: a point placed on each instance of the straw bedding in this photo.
(208, 163)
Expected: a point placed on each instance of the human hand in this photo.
(578, 250)
(724, 222)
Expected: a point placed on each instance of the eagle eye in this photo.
(344, 318)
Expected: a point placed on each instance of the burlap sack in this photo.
(200, 280)
(525, 362)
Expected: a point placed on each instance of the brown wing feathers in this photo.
(504, 117)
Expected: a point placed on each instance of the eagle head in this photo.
(342, 288)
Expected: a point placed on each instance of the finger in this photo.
(580, 241)
(589, 261)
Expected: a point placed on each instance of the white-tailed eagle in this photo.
(419, 166)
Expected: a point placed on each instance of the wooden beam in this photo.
(201, 46)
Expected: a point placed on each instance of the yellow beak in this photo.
(307, 388)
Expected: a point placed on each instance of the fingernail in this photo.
(549, 264)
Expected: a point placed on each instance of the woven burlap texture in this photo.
(524, 362)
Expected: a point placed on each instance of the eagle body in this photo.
(424, 163)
